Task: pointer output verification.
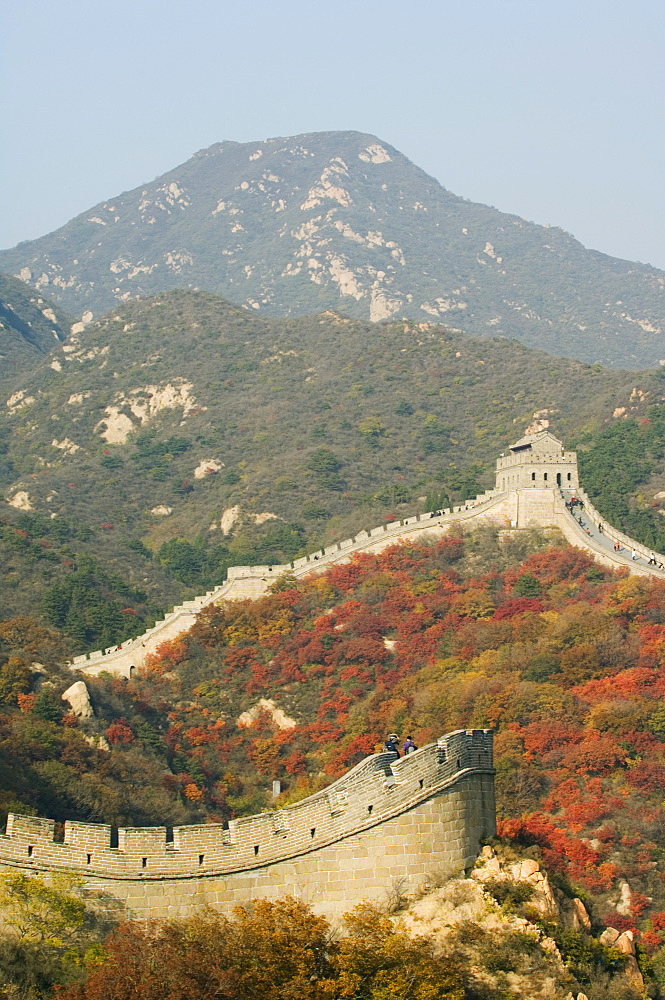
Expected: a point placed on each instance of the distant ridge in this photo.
(30, 328)
(343, 221)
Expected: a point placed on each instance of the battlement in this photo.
(378, 789)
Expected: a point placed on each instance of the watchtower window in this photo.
(30, 850)
(256, 849)
(369, 809)
(312, 832)
(144, 862)
(201, 857)
(558, 479)
(533, 476)
(568, 477)
(88, 859)
(545, 476)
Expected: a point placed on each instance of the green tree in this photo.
(15, 679)
(527, 586)
(39, 912)
(47, 708)
(325, 465)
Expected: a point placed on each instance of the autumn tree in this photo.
(273, 950)
(44, 941)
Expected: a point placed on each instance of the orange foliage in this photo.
(193, 793)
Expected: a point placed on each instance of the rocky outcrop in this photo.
(623, 941)
(79, 700)
(549, 904)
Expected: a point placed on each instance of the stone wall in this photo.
(412, 819)
(252, 581)
(537, 506)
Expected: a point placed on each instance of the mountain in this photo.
(186, 434)
(30, 326)
(343, 221)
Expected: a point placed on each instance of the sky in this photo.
(550, 109)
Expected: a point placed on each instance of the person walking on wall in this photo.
(409, 746)
(392, 744)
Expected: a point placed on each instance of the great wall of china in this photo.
(531, 485)
(415, 819)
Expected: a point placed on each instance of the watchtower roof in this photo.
(542, 442)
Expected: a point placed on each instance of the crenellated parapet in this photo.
(376, 790)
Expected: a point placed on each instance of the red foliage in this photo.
(295, 763)
(542, 737)
(345, 757)
(619, 922)
(647, 776)
(638, 903)
(510, 609)
(650, 941)
(119, 732)
(26, 702)
(636, 681)
(561, 851)
(596, 754)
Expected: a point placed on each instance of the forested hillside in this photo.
(342, 220)
(564, 660)
(183, 434)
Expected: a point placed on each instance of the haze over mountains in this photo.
(343, 221)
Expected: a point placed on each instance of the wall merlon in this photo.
(32, 828)
(142, 840)
(87, 836)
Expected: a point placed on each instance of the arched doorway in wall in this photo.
(132, 671)
(558, 479)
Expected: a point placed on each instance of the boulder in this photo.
(623, 906)
(609, 936)
(581, 921)
(79, 700)
(99, 742)
(625, 943)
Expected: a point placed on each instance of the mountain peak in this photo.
(342, 220)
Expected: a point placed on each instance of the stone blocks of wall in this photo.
(383, 820)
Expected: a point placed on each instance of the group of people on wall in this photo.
(392, 745)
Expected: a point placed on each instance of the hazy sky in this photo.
(551, 109)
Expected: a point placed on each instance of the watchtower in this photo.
(537, 461)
